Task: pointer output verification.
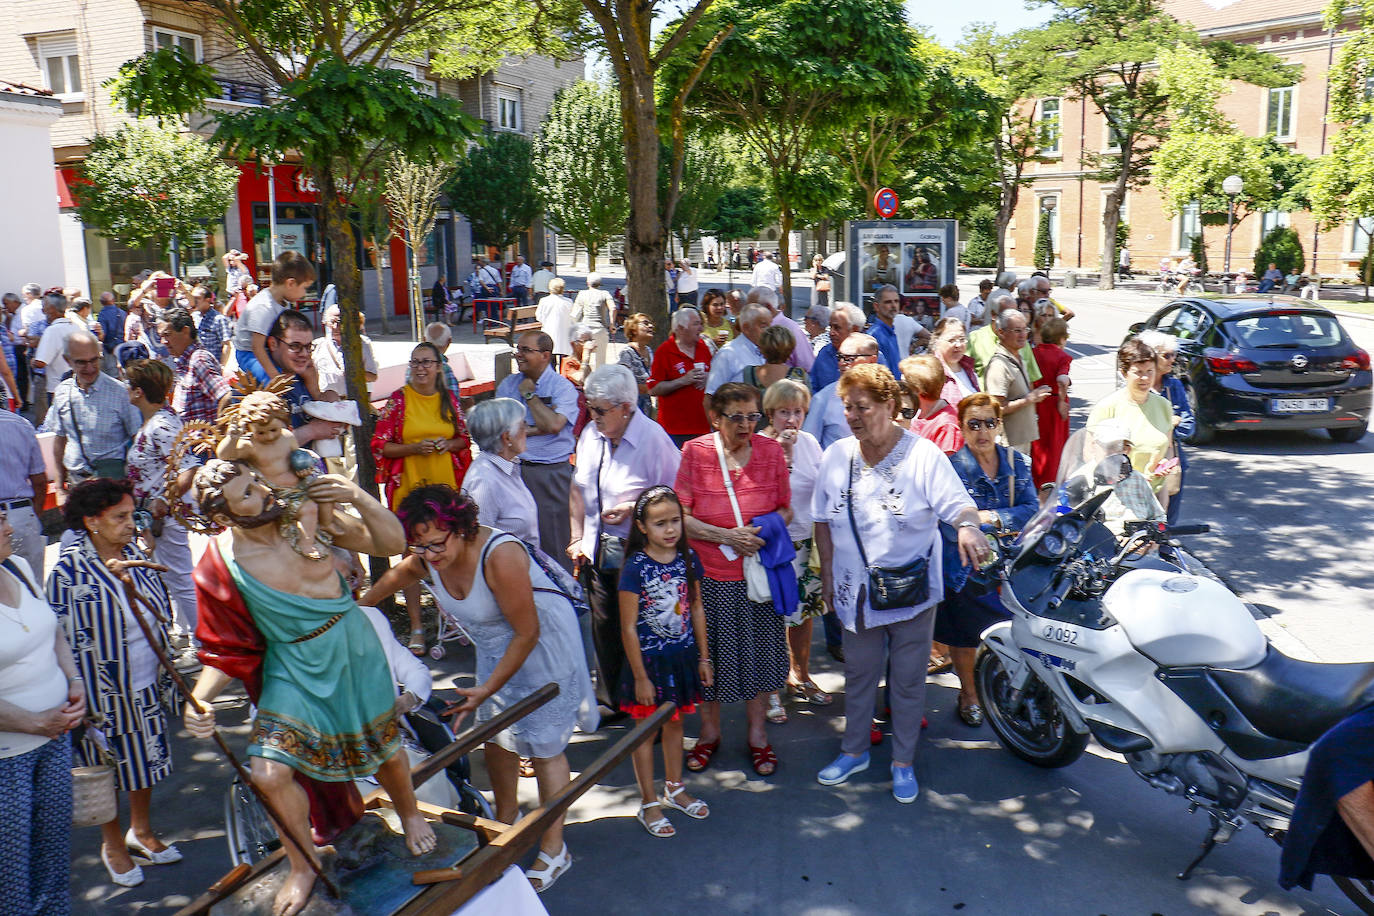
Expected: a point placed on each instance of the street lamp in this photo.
(1232, 185)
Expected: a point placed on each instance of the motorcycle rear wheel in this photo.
(1360, 892)
(1038, 733)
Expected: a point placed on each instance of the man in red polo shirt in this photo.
(678, 378)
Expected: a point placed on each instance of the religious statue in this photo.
(283, 622)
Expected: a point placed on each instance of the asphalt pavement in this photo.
(988, 834)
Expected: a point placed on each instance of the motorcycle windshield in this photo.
(1096, 463)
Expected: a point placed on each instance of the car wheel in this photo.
(1202, 433)
(1348, 434)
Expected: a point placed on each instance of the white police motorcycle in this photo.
(1155, 662)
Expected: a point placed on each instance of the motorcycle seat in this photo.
(1294, 700)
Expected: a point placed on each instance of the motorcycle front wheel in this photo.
(1033, 729)
(1360, 892)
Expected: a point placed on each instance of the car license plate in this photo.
(1300, 405)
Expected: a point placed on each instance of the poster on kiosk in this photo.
(917, 256)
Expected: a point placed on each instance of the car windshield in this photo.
(1280, 330)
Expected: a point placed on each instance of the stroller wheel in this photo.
(437, 652)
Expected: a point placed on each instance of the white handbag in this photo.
(755, 576)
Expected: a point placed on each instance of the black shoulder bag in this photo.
(889, 587)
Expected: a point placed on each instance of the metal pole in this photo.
(271, 212)
(1230, 216)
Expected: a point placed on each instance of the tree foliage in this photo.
(412, 199)
(164, 84)
(494, 187)
(980, 228)
(147, 183)
(579, 160)
(1342, 182)
(791, 73)
(1044, 242)
(1009, 73)
(1280, 246)
(740, 213)
(1104, 52)
(703, 183)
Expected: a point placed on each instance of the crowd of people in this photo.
(704, 501)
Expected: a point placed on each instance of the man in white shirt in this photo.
(555, 317)
(767, 273)
(951, 307)
(825, 420)
(978, 305)
(686, 284)
(730, 361)
(542, 277)
(488, 279)
(50, 355)
(520, 279)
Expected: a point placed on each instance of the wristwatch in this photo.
(970, 525)
(527, 395)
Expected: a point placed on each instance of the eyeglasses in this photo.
(531, 350)
(851, 357)
(740, 419)
(436, 547)
(94, 361)
(1017, 331)
(296, 348)
(976, 424)
(600, 411)
(423, 363)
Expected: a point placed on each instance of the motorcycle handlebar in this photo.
(1175, 530)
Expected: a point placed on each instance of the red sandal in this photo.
(764, 757)
(699, 757)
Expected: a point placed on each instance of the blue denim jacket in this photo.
(993, 496)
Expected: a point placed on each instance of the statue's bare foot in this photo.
(420, 837)
(294, 893)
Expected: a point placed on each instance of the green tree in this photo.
(703, 183)
(579, 162)
(980, 228)
(1342, 182)
(637, 51)
(740, 213)
(493, 186)
(145, 183)
(1197, 248)
(1281, 247)
(790, 74)
(374, 226)
(1103, 52)
(1044, 243)
(412, 199)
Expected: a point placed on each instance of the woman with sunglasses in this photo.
(999, 481)
(1008, 378)
(525, 636)
(421, 438)
(746, 639)
(1185, 423)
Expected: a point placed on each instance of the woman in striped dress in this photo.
(127, 690)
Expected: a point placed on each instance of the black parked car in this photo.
(1253, 363)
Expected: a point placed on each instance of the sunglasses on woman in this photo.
(976, 424)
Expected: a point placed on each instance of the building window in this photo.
(61, 65)
(188, 44)
(1115, 134)
(1360, 231)
(1273, 220)
(1280, 113)
(417, 73)
(1189, 225)
(509, 114)
(1049, 127)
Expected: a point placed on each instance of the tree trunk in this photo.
(823, 236)
(1111, 218)
(381, 287)
(785, 255)
(591, 258)
(1005, 209)
(644, 232)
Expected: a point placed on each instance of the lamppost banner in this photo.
(917, 256)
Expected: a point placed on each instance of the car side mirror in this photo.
(1137, 327)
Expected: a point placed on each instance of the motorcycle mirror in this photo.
(1111, 470)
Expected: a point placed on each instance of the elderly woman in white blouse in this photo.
(493, 481)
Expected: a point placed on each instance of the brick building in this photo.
(73, 49)
(1295, 115)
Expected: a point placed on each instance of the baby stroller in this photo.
(252, 836)
(449, 629)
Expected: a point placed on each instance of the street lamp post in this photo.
(1232, 185)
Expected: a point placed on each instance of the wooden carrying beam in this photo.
(486, 865)
(463, 743)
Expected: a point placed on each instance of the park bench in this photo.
(516, 321)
